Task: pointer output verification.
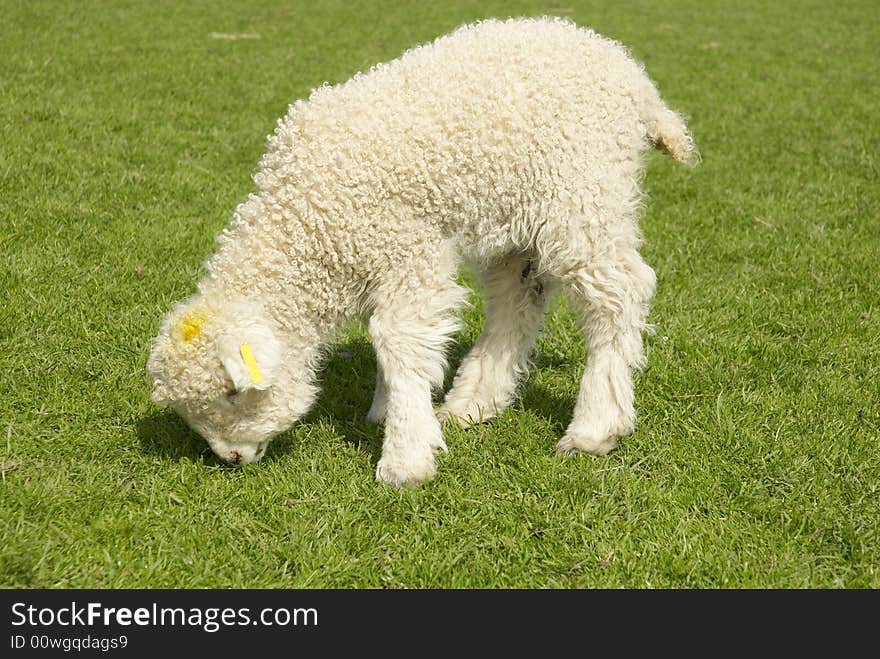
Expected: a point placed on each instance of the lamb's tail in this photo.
(668, 132)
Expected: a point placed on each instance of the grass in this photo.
(129, 133)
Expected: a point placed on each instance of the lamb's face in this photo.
(235, 424)
(217, 367)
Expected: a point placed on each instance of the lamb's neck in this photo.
(267, 257)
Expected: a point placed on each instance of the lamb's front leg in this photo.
(409, 341)
(412, 432)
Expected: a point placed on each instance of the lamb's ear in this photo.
(251, 355)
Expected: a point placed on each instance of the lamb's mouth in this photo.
(238, 459)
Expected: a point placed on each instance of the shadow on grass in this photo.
(165, 434)
(347, 378)
(546, 404)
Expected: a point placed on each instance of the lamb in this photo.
(518, 145)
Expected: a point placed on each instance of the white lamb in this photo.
(518, 144)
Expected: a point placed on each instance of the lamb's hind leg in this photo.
(380, 398)
(487, 379)
(612, 297)
(410, 330)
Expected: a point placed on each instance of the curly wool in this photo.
(519, 144)
(479, 136)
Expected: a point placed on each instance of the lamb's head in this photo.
(219, 365)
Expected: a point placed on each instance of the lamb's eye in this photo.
(231, 393)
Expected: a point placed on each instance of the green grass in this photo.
(128, 135)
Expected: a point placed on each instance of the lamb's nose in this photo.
(235, 458)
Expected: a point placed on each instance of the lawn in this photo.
(129, 132)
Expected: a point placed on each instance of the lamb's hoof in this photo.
(409, 472)
(575, 443)
(465, 418)
(437, 445)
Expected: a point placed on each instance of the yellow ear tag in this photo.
(191, 326)
(251, 362)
